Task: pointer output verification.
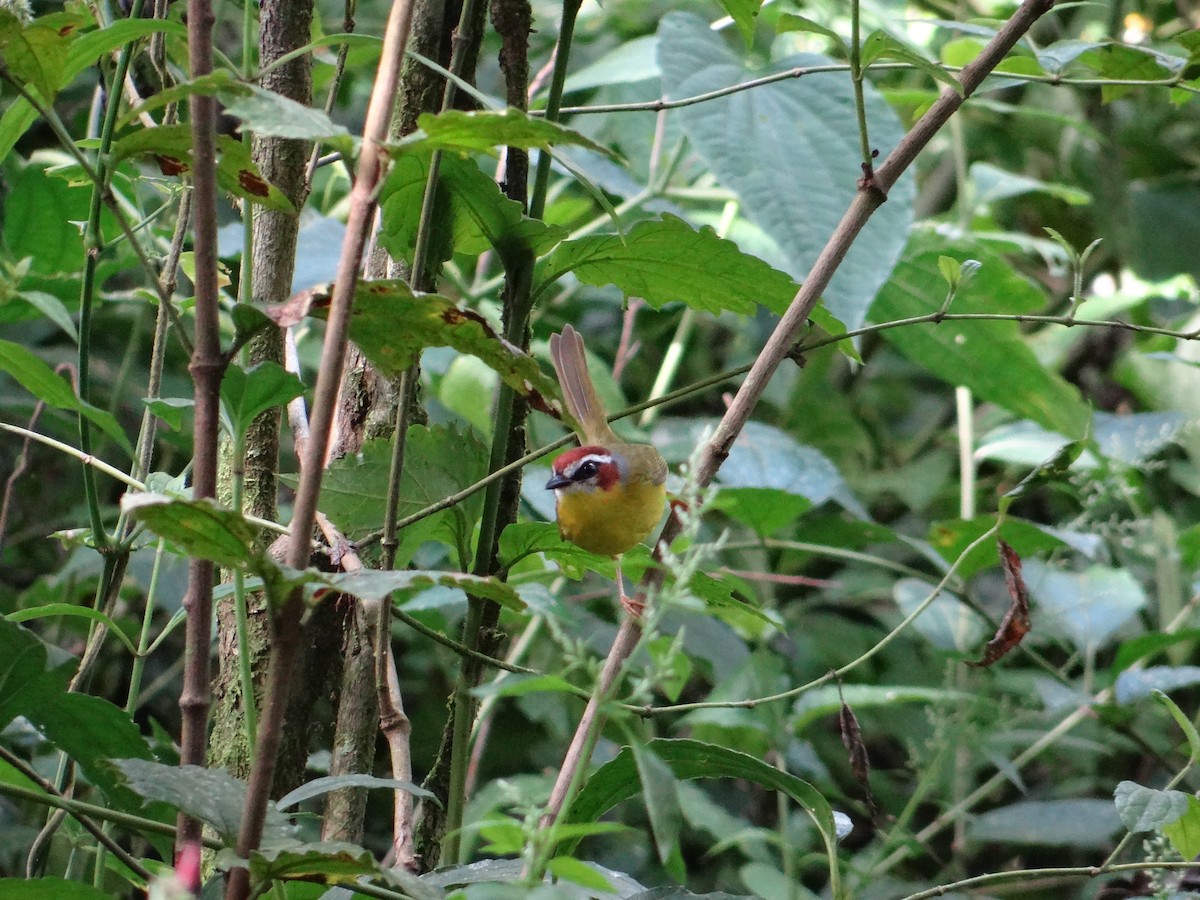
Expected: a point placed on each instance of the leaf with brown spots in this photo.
(392, 326)
(1015, 624)
(170, 165)
(253, 183)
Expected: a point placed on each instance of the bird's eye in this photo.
(586, 470)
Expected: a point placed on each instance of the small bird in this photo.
(609, 494)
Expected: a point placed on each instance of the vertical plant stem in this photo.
(857, 75)
(207, 367)
(362, 213)
(541, 180)
(512, 21)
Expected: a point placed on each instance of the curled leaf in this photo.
(1015, 624)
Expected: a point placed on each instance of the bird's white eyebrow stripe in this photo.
(597, 458)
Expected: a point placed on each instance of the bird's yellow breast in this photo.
(613, 521)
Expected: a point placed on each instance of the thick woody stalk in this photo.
(206, 368)
(363, 200)
(871, 195)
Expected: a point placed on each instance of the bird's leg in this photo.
(632, 605)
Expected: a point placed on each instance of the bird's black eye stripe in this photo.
(587, 469)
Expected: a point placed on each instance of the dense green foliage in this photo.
(1005, 358)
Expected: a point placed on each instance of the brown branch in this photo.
(206, 368)
(872, 194)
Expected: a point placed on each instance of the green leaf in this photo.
(1184, 723)
(392, 326)
(661, 793)
(320, 786)
(53, 309)
(791, 152)
(25, 678)
(372, 584)
(792, 22)
(765, 510)
(268, 114)
(48, 610)
(881, 45)
(172, 410)
(42, 888)
(247, 393)
(327, 862)
(618, 780)
(524, 539)
(36, 56)
(213, 796)
(993, 359)
(83, 54)
(672, 667)
(201, 528)
(39, 379)
(951, 538)
(667, 261)
(1184, 833)
(1087, 824)
(826, 701)
(576, 871)
(438, 461)
(519, 685)
(1145, 809)
(744, 14)
(171, 148)
(477, 131)
(470, 214)
(993, 184)
(1145, 645)
(1121, 62)
(1087, 608)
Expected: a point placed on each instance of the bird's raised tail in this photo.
(570, 364)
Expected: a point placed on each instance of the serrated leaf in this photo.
(667, 261)
(392, 326)
(28, 370)
(439, 461)
(171, 148)
(201, 528)
(83, 53)
(470, 213)
(269, 114)
(804, 127)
